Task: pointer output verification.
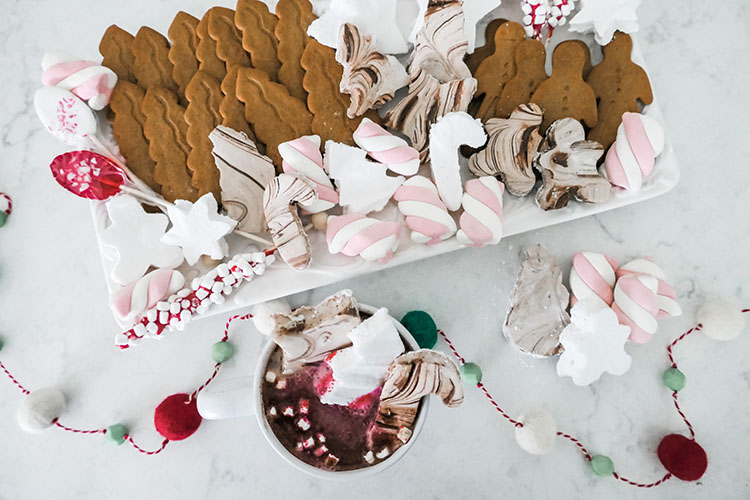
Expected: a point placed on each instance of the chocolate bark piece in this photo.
(538, 305)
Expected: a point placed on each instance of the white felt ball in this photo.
(721, 319)
(262, 314)
(537, 436)
(40, 409)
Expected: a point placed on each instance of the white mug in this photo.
(241, 397)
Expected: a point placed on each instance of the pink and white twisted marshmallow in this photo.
(482, 220)
(302, 156)
(636, 305)
(88, 80)
(355, 234)
(666, 296)
(640, 139)
(426, 214)
(592, 277)
(386, 148)
(130, 302)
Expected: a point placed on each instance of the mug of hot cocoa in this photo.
(340, 388)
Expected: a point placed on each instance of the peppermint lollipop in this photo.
(65, 116)
(88, 175)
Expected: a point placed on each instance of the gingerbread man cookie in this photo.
(620, 85)
(565, 94)
(495, 71)
(474, 59)
(530, 60)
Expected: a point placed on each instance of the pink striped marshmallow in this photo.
(666, 296)
(88, 80)
(426, 214)
(355, 234)
(131, 301)
(386, 148)
(482, 220)
(640, 139)
(592, 277)
(302, 156)
(636, 305)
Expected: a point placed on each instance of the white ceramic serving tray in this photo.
(520, 215)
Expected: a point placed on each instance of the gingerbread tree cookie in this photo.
(202, 116)
(166, 131)
(257, 26)
(275, 115)
(182, 34)
(565, 94)
(327, 104)
(116, 49)
(295, 16)
(620, 85)
(151, 64)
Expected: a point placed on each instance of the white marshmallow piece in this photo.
(262, 314)
(360, 369)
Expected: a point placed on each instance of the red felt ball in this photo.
(177, 417)
(683, 457)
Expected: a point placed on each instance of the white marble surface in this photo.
(58, 330)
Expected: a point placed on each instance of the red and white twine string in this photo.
(9, 209)
(128, 438)
(572, 439)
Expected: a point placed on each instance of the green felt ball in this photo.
(602, 466)
(422, 328)
(1, 344)
(674, 379)
(3, 218)
(116, 433)
(222, 351)
(471, 374)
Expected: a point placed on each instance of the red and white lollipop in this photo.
(302, 156)
(426, 214)
(636, 305)
(386, 148)
(355, 234)
(640, 139)
(666, 296)
(592, 277)
(482, 220)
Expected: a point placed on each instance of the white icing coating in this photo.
(446, 136)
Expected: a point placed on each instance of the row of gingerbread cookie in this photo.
(513, 73)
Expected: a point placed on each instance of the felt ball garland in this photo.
(680, 455)
(6, 207)
(176, 418)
